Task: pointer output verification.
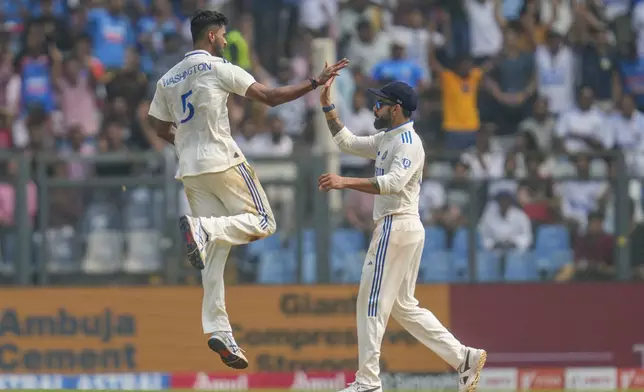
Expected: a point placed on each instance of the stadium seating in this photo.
(143, 239)
(61, 250)
(435, 262)
(104, 242)
(520, 267)
(552, 248)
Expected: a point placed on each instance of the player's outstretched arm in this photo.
(277, 96)
(347, 142)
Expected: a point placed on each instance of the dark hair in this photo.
(203, 20)
(406, 113)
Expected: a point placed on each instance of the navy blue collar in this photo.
(194, 52)
(401, 125)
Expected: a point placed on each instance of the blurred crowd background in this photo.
(530, 111)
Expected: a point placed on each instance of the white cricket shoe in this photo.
(469, 372)
(357, 387)
(195, 238)
(223, 343)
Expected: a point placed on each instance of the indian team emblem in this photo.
(384, 156)
(406, 163)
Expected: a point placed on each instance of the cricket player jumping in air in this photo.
(229, 206)
(391, 266)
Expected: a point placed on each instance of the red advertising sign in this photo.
(541, 379)
(552, 325)
(631, 379)
(245, 381)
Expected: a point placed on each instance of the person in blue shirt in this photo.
(399, 68)
(631, 72)
(112, 33)
(35, 65)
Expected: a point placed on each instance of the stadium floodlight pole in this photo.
(324, 50)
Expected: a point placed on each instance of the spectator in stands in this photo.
(128, 82)
(599, 70)
(276, 142)
(541, 125)
(593, 254)
(76, 94)
(459, 90)
(160, 21)
(627, 130)
(113, 141)
(34, 131)
(581, 196)
(112, 34)
(56, 30)
(318, 17)
(535, 193)
(37, 64)
(293, 114)
(582, 129)
(556, 73)
(83, 53)
(484, 161)
(505, 226)
(512, 83)
(508, 182)
(8, 196)
(631, 72)
(432, 200)
(360, 121)
(368, 48)
(458, 192)
(414, 35)
(78, 144)
(65, 204)
(486, 38)
(399, 67)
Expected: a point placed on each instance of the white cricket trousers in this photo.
(234, 210)
(387, 288)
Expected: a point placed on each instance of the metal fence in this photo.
(118, 224)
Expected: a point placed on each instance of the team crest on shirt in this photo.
(406, 163)
(384, 155)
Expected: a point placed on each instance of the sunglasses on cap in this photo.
(380, 103)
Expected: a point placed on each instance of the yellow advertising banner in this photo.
(282, 328)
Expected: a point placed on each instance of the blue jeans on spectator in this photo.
(460, 140)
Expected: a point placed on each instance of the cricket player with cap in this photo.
(391, 266)
(229, 206)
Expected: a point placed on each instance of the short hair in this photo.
(202, 20)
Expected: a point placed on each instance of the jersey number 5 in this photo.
(187, 106)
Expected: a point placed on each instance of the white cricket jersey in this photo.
(556, 78)
(400, 158)
(193, 95)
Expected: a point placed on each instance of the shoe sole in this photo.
(477, 375)
(228, 358)
(194, 255)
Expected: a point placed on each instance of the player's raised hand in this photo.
(329, 181)
(330, 71)
(325, 93)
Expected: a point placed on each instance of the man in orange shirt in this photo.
(459, 90)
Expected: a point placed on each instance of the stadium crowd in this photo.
(525, 105)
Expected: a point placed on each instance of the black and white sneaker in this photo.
(469, 372)
(195, 238)
(231, 354)
(358, 387)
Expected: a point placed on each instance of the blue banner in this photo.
(119, 381)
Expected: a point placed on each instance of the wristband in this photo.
(314, 83)
(327, 109)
